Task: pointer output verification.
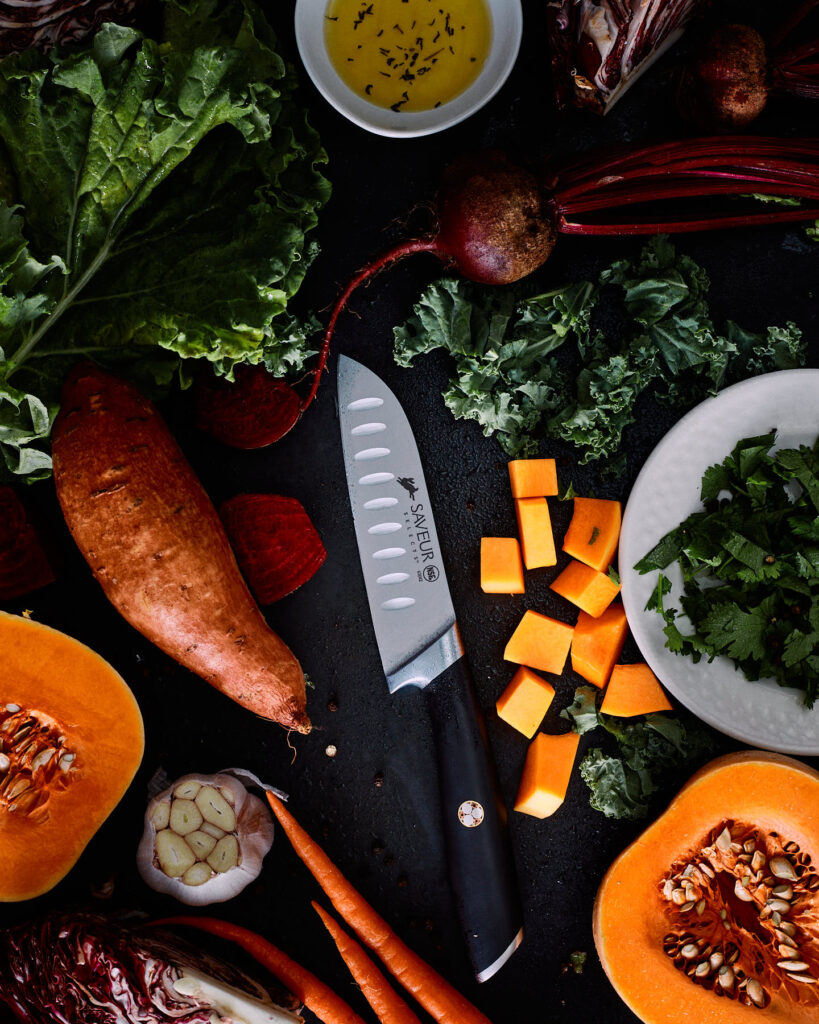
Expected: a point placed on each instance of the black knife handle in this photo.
(479, 856)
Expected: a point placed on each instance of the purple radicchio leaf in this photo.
(599, 48)
(83, 968)
(44, 23)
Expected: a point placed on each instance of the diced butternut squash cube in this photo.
(546, 774)
(590, 590)
(525, 701)
(540, 642)
(535, 530)
(633, 690)
(501, 566)
(597, 643)
(594, 532)
(533, 478)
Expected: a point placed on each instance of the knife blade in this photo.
(419, 644)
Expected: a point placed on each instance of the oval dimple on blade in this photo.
(360, 404)
(376, 478)
(389, 553)
(368, 428)
(396, 604)
(371, 453)
(391, 578)
(376, 504)
(385, 528)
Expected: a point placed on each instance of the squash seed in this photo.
(756, 992)
(781, 867)
(741, 891)
(792, 966)
(690, 950)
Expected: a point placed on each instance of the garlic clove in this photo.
(185, 817)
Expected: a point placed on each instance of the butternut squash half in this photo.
(71, 740)
(712, 915)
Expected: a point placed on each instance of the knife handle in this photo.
(479, 853)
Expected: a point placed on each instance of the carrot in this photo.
(316, 996)
(388, 1005)
(441, 1001)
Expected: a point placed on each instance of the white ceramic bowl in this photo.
(507, 27)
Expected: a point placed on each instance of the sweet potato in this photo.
(158, 549)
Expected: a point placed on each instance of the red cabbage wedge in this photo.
(85, 969)
(599, 48)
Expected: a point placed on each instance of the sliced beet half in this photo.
(24, 564)
(251, 412)
(276, 545)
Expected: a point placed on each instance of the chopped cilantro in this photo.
(594, 535)
(614, 576)
(750, 566)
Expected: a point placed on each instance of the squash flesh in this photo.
(64, 684)
(775, 794)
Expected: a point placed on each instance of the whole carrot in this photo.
(388, 1005)
(441, 1001)
(316, 996)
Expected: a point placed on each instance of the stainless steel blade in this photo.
(406, 584)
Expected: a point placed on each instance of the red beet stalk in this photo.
(276, 545)
(24, 565)
(497, 223)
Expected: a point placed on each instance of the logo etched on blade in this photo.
(408, 484)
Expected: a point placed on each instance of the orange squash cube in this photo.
(540, 642)
(535, 530)
(590, 590)
(634, 690)
(597, 643)
(501, 566)
(533, 478)
(594, 532)
(525, 701)
(546, 774)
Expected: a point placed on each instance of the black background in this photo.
(386, 839)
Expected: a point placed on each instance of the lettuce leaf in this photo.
(162, 198)
(517, 377)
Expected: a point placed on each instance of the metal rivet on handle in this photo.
(470, 814)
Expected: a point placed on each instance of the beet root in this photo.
(276, 545)
(24, 565)
(726, 85)
(495, 224)
(251, 412)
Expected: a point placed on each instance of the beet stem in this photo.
(797, 15)
(684, 227)
(368, 271)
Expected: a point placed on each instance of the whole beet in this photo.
(726, 84)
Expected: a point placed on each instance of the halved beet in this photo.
(24, 565)
(251, 412)
(276, 545)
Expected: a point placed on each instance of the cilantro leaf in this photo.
(750, 566)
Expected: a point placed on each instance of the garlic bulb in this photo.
(204, 840)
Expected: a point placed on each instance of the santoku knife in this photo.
(420, 646)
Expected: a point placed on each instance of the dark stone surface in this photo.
(385, 837)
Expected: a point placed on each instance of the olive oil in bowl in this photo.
(408, 55)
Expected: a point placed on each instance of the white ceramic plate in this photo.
(667, 490)
(507, 27)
